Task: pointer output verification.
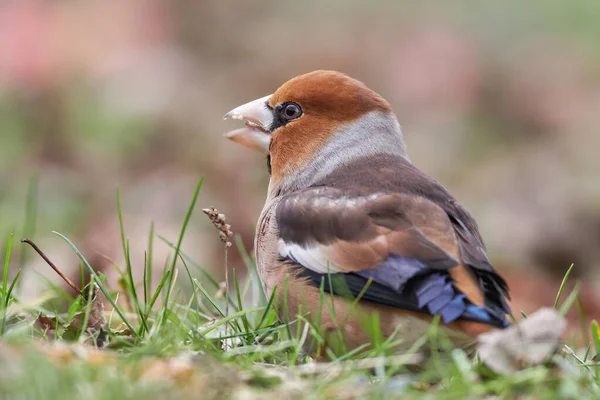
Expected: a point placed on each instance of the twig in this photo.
(51, 264)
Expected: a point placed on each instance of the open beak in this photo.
(257, 118)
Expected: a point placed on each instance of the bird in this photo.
(349, 221)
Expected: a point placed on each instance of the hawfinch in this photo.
(347, 214)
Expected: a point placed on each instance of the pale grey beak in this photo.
(258, 119)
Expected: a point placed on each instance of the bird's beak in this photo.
(258, 118)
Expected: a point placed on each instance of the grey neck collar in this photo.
(374, 134)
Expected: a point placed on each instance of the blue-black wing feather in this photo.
(407, 284)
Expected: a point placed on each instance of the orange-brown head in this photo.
(315, 122)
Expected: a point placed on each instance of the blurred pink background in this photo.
(499, 102)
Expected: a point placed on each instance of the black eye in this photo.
(290, 111)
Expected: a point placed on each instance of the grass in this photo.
(164, 342)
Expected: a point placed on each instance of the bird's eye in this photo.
(290, 111)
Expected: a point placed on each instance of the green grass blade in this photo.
(582, 320)
(183, 255)
(523, 315)
(186, 220)
(6, 268)
(239, 299)
(568, 303)
(586, 355)
(144, 283)
(158, 290)
(562, 286)
(12, 285)
(357, 299)
(209, 298)
(29, 227)
(187, 260)
(191, 278)
(5, 289)
(596, 336)
(252, 269)
(212, 301)
(132, 291)
(148, 263)
(268, 308)
(229, 318)
(261, 333)
(286, 316)
(197, 313)
(88, 308)
(98, 281)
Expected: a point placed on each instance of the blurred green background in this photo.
(499, 101)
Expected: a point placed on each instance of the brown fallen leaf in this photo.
(49, 325)
(96, 323)
(96, 319)
(95, 327)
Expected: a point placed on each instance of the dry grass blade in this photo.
(51, 264)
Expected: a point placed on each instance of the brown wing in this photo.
(357, 233)
(401, 241)
(392, 174)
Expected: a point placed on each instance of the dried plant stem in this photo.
(227, 290)
(51, 264)
(220, 222)
(226, 283)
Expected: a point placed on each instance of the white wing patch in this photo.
(313, 257)
(316, 257)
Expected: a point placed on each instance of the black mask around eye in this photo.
(284, 113)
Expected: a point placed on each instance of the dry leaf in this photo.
(96, 324)
(46, 323)
(49, 324)
(96, 318)
(530, 342)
